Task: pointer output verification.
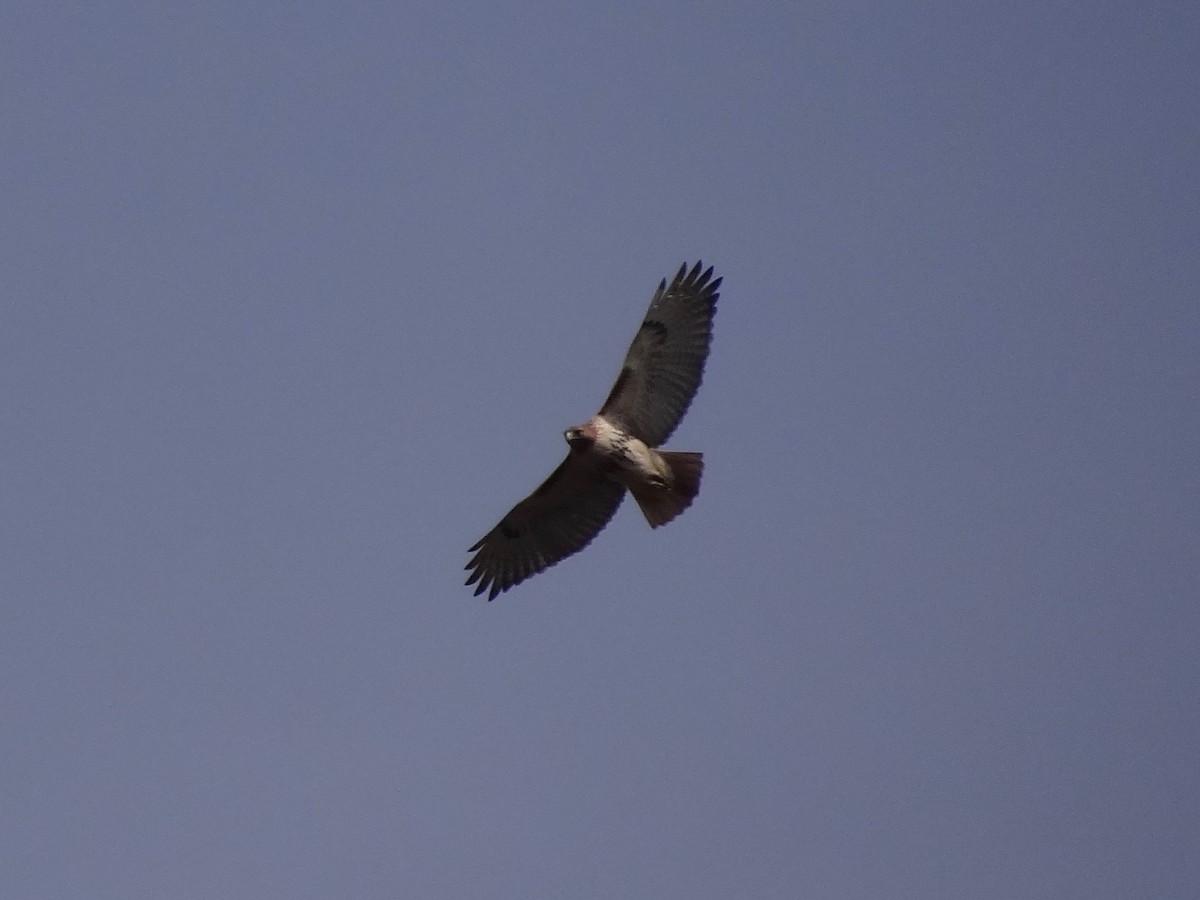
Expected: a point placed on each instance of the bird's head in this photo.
(578, 437)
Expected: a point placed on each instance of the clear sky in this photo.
(297, 300)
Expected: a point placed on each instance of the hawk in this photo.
(614, 450)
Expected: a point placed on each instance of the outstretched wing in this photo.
(560, 518)
(665, 362)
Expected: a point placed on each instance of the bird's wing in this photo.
(665, 362)
(560, 518)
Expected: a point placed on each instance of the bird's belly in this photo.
(635, 463)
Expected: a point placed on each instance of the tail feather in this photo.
(661, 504)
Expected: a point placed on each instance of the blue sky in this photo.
(298, 299)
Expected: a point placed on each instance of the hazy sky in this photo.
(297, 300)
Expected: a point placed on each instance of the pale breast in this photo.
(628, 453)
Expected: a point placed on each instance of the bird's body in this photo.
(663, 490)
(615, 450)
(631, 461)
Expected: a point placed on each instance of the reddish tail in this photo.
(662, 504)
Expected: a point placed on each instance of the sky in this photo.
(298, 299)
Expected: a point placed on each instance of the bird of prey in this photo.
(614, 450)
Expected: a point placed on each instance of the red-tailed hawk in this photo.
(614, 450)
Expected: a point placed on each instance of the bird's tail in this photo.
(662, 503)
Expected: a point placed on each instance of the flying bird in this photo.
(614, 450)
